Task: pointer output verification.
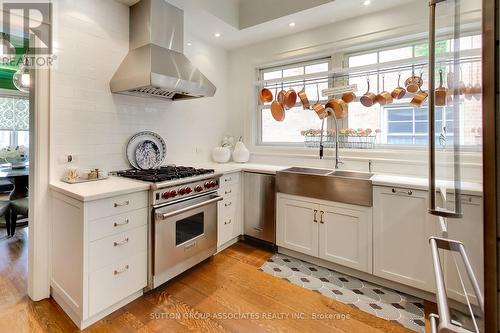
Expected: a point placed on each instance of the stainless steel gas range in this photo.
(183, 218)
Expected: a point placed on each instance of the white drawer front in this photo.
(113, 283)
(230, 179)
(227, 207)
(114, 248)
(117, 205)
(229, 191)
(113, 225)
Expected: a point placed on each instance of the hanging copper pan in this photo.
(290, 98)
(419, 99)
(339, 107)
(265, 95)
(413, 83)
(281, 96)
(441, 92)
(303, 98)
(369, 98)
(399, 92)
(384, 97)
(318, 108)
(277, 111)
(349, 97)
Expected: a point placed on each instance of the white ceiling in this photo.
(205, 18)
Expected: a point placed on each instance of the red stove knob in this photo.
(207, 185)
(173, 194)
(198, 188)
(183, 191)
(189, 190)
(213, 184)
(165, 195)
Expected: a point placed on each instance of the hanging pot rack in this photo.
(419, 64)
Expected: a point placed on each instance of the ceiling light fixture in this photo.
(367, 3)
(292, 24)
(189, 44)
(217, 35)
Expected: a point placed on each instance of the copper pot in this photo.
(339, 107)
(399, 92)
(303, 98)
(320, 110)
(441, 92)
(277, 111)
(384, 97)
(265, 95)
(281, 97)
(413, 83)
(419, 98)
(349, 97)
(369, 98)
(290, 98)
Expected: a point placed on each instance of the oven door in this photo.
(185, 234)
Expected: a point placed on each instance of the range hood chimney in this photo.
(155, 65)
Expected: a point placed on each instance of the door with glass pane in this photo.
(455, 133)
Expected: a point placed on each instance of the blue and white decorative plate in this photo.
(138, 139)
(147, 155)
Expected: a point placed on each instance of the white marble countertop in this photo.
(101, 189)
(116, 186)
(416, 183)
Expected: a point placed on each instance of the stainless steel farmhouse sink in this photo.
(340, 186)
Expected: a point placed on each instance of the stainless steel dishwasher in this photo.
(259, 213)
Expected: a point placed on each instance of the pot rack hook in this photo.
(317, 89)
(399, 79)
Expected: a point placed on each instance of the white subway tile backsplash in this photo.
(95, 125)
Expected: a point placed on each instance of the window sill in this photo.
(419, 155)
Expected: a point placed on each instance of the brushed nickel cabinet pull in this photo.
(123, 242)
(409, 192)
(321, 217)
(228, 204)
(119, 224)
(259, 229)
(123, 270)
(228, 192)
(228, 222)
(121, 204)
(228, 179)
(315, 216)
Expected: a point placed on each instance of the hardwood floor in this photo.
(203, 299)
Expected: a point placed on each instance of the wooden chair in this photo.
(17, 207)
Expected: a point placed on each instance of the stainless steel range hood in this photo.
(155, 65)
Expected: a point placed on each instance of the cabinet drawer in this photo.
(230, 179)
(227, 207)
(229, 191)
(113, 225)
(115, 282)
(117, 205)
(114, 248)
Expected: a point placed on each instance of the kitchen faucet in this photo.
(338, 161)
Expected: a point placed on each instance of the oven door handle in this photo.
(164, 216)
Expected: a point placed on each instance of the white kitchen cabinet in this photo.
(297, 225)
(331, 231)
(98, 254)
(401, 231)
(469, 231)
(345, 235)
(230, 224)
